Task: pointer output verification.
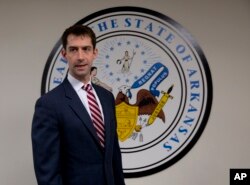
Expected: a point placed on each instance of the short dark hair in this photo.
(78, 30)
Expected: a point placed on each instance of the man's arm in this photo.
(117, 159)
(117, 165)
(46, 144)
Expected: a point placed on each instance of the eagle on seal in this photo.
(145, 101)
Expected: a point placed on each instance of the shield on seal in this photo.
(126, 116)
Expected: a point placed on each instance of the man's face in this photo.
(80, 54)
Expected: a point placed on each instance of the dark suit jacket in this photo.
(66, 149)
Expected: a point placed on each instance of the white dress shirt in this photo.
(77, 85)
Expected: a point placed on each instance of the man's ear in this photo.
(63, 52)
(95, 52)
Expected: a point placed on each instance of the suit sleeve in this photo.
(117, 165)
(46, 144)
(117, 159)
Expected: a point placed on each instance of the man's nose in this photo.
(80, 55)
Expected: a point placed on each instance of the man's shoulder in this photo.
(102, 90)
(53, 94)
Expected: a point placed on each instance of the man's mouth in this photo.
(80, 66)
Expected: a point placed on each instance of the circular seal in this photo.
(159, 77)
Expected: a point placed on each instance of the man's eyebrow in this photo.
(87, 46)
(73, 47)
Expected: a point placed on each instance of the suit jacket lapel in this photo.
(75, 103)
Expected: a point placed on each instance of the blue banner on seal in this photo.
(149, 74)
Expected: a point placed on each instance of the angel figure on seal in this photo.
(127, 61)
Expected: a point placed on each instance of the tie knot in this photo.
(87, 87)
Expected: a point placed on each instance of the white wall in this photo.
(29, 30)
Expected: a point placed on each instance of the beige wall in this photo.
(29, 30)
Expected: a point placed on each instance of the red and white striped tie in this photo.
(95, 114)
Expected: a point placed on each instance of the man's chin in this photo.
(83, 76)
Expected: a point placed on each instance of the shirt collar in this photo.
(76, 84)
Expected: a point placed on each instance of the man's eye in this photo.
(72, 49)
(86, 49)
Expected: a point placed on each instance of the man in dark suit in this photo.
(66, 146)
